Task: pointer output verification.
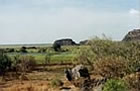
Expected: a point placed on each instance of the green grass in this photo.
(27, 45)
(70, 52)
(55, 57)
(63, 57)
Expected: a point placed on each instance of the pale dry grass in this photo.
(36, 86)
(30, 86)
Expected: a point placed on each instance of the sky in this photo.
(43, 21)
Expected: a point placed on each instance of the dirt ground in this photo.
(39, 80)
(33, 86)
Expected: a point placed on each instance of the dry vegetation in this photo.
(106, 58)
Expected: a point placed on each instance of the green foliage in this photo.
(115, 85)
(56, 82)
(5, 62)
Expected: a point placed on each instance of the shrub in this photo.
(115, 85)
(23, 49)
(102, 47)
(84, 56)
(9, 50)
(47, 59)
(98, 49)
(5, 63)
(24, 63)
(56, 82)
(111, 67)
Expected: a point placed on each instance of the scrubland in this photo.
(42, 68)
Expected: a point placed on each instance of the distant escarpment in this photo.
(132, 35)
(65, 42)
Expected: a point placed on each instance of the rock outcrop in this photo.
(62, 42)
(77, 75)
(77, 72)
(84, 42)
(80, 77)
(132, 35)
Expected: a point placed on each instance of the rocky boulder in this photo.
(77, 72)
(79, 76)
(84, 42)
(132, 35)
(62, 42)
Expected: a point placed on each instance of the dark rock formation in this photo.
(77, 72)
(62, 42)
(80, 77)
(85, 42)
(132, 35)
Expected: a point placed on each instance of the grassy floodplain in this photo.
(55, 57)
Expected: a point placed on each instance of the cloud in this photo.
(134, 12)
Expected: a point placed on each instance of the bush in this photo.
(56, 82)
(111, 67)
(24, 63)
(98, 49)
(9, 50)
(128, 50)
(102, 47)
(5, 63)
(84, 56)
(115, 85)
(47, 59)
(23, 49)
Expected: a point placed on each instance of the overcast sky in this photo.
(43, 21)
